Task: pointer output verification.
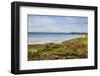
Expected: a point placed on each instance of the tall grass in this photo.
(71, 49)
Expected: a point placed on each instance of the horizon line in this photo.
(62, 32)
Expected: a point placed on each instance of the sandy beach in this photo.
(46, 41)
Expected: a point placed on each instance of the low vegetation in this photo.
(69, 49)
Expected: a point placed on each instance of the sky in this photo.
(63, 24)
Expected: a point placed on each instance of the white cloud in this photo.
(43, 24)
(54, 24)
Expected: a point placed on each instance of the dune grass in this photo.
(69, 49)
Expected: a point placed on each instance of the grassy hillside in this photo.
(70, 49)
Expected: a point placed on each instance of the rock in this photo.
(34, 50)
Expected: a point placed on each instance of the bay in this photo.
(40, 38)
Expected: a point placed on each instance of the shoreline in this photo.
(45, 42)
(55, 41)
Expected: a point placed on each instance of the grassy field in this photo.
(69, 49)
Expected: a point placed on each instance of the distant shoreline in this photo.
(57, 33)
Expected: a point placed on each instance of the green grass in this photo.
(69, 49)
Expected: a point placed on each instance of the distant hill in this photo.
(58, 32)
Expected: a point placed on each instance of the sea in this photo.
(41, 38)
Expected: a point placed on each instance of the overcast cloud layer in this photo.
(39, 23)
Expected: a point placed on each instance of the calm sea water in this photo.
(38, 38)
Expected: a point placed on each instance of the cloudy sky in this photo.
(40, 23)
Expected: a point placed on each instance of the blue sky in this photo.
(42, 23)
